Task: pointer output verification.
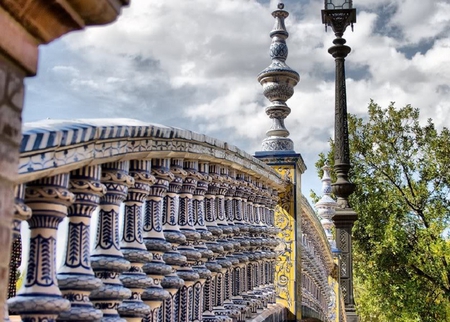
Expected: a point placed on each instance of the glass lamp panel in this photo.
(338, 4)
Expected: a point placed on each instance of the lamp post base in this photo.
(351, 314)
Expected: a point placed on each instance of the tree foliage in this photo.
(401, 248)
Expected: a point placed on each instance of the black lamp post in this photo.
(339, 14)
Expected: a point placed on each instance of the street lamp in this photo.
(339, 14)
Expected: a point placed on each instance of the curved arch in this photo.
(56, 146)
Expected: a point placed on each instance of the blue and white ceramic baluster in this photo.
(210, 201)
(240, 200)
(21, 212)
(229, 204)
(274, 232)
(199, 208)
(221, 215)
(155, 240)
(198, 205)
(76, 278)
(268, 244)
(238, 243)
(222, 260)
(228, 308)
(132, 243)
(187, 228)
(173, 282)
(40, 298)
(258, 240)
(107, 259)
(171, 228)
(209, 295)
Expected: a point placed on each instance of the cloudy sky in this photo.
(193, 64)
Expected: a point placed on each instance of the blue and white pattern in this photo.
(55, 146)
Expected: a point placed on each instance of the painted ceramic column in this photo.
(76, 278)
(260, 245)
(186, 221)
(155, 241)
(229, 205)
(40, 298)
(132, 243)
(221, 215)
(209, 291)
(198, 202)
(198, 296)
(233, 245)
(271, 245)
(239, 203)
(199, 209)
(234, 210)
(274, 232)
(238, 219)
(210, 200)
(220, 219)
(171, 202)
(21, 212)
(107, 259)
(238, 258)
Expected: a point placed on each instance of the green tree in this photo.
(401, 248)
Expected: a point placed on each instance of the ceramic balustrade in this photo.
(190, 245)
(176, 201)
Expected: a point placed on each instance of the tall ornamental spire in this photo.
(278, 81)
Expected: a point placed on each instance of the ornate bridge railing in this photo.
(321, 296)
(194, 240)
(185, 229)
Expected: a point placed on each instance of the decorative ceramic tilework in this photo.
(52, 146)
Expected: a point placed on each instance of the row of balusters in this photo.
(197, 244)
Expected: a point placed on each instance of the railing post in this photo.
(107, 259)
(171, 203)
(40, 298)
(21, 212)
(210, 291)
(132, 243)
(155, 241)
(76, 278)
(187, 226)
(198, 211)
(214, 206)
